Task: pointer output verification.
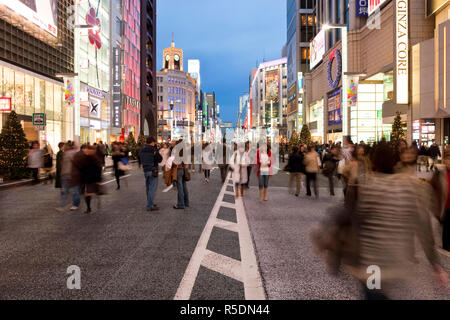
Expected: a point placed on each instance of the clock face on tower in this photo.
(167, 57)
(177, 57)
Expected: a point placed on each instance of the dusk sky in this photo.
(228, 37)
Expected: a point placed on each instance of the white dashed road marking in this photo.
(245, 270)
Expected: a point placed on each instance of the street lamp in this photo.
(343, 28)
(171, 121)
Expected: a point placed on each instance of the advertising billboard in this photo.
(291, 62)
(272, 78)
(374, 5)
(5, 104)
(317, 48)
(334, 107)
(42, 13)
(117, 95)
(272, 82)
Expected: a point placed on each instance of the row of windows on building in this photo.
(172, 80)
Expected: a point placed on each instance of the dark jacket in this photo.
(59, 158)
(150, 158)
(295, 163)
(434, 151)
(330, 164)
(85, 169)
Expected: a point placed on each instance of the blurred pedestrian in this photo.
(35, 160)
(59, 161)
(182, 176)
(207, 161)
(330, 164)
(238, 164)
(264, 162)
(434, 152)
(70, 178)
(389, 208)
(312, 168)
(48, 163)
(120, 162)
(224, 165)
(295, 168)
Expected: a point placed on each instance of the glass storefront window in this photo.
(9, 85)
(49, 106)
(57, 101)
(19, 92)
(29, 95)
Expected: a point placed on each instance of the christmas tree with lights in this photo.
(397, 133)
(294, 141)
(305, 135)
(13, 149)
(132, 146)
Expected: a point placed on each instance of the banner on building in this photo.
(334, 107)
(117, 95)
(5, 104)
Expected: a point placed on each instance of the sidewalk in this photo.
(4, 186)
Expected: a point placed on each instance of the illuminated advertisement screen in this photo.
(43, 13)
(272, 85)
(317, 49)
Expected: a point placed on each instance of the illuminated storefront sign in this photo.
(374, 5)
(401, 51)
(334, 55)
(317, 48)
(42, 13)
(5, 104)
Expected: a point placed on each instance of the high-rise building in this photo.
(301, 29)
(148, 68)
(269, 96)
(176, 97)
(211, 114)
(126, 68)
(34, 49)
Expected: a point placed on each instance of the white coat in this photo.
(239, 166)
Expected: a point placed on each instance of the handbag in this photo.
(123, 167)
(155, 173)
(124, 161)
(187, 174)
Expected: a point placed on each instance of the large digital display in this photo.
(42, 13)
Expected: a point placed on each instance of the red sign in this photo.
(5, 104)
(374, 5)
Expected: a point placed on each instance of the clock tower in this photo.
(173, 57)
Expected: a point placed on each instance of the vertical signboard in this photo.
(117, 97)
(402, 51)
(334, 107)
(362, 8)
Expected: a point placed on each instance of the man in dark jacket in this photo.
(150, 157)
(434, 152)
(330, 164)
(296, 169)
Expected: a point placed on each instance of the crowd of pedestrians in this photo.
(387, 205)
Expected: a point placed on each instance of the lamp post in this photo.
(171, 120)
(343, 28)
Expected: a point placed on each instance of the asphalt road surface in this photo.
(219, 248)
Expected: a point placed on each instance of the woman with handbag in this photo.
(238, 163)
(182, 176)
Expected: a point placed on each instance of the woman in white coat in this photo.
(238, 164)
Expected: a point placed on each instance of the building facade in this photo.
(148, 101)
(301, 29)
(33, 51)
(380, 38)
(430, 114)
(269, 96)
(176, 97)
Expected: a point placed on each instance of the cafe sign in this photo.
(402, 51)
